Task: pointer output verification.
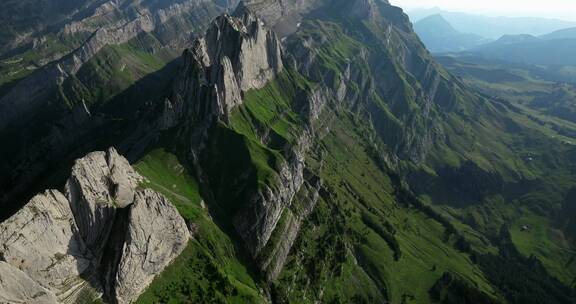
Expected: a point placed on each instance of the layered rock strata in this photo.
(112, 23)
(56, 249)
(239, 53)
(235, 55)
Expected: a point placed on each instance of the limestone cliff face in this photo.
(283, 16)
(257, 221)
(86, 35)
(239, 53)
(100, 183)
(271, 260)
(111, 23)
(155, 235)
(17, 287)
(110, 238)
(392, 53)
(42, 241)
(58, 246)
(236, 54)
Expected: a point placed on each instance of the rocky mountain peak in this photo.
(364, 9)
(237, 53)
(102, 237)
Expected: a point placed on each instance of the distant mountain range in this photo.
(440, 37)
(556, 48)
(494, 27)
(569, 33)
(553, 48)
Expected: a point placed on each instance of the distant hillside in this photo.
(440, 37)
(548, 91)
(569, 33)
(513, 39)
(530, 49)
(494, 27)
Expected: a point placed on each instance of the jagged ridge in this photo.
(59, 242)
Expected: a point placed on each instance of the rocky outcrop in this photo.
(42, 99)
(258, 220)
(283, 16)
(100, 183)
(42, 241)
(364, 9)
(112, 23)
(156, 235)
(408, 124)
(236, 54)
(239, 53)
(58, 245)
(17, 287)
(34, 90)
(272, 258)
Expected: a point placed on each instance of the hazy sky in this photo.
(563, 9)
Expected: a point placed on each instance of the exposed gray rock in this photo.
(54, 246)
(272, 260)
(33, 91)
(112, 23)
(239, 53)
(317, 101)
(283, 16)
(235, 55)
(364, 9)
(17, 287)
(257, 221)
(42, 241)
(100, 182)
(156, 235)
(71, 135)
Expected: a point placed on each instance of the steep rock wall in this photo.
(58, 244)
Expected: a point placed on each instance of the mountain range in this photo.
(440, 37)
(267, 151)
(494, 27)
(555, 48)
(550, 49)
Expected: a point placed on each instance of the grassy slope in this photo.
(521, 87)
(209, 270)
(114, 69)
(18, 63)
(214, 268)
(353, 258)
(547, 243)
(355, 261)
(363, 243)
(17, 67)
(532, 160)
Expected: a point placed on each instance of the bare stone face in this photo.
(54, 245)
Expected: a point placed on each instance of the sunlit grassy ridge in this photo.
(342, 257)
(215, 267)
(211, 268)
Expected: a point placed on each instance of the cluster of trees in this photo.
(450, 289)
(385, 231)
(522, 280)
